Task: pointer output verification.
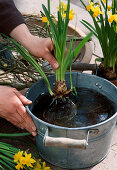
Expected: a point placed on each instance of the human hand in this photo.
(37, 46)
(12, 109)
(42, 47)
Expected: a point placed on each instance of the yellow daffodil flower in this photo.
(90, 6)
(64, 15)
(29, 160)
(44, 19)
(96, 11)
(112, 18)
(109, 7)
(18, 156)
(37, 165)
(41, 166)
(18, 166)
(23, 160)
(45, 167)
(71, 14)
(115, 18)
(62, 6)
(104, 1)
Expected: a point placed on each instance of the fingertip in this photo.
(34, 133)
(52, 60)
(29, 101)
(34, 128)
(56, 65)
(23, 99)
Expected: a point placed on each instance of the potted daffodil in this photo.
(104, 16)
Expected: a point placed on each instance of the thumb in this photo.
(49, 57)
(22, 98)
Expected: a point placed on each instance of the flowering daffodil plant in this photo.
(57, 28)
(104, 18)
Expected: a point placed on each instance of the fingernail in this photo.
(56, 65)
(33, 128)
(29, 101)
(34, 133)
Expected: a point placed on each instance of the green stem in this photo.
(71, 78)
(49, 7)
(14, 135)
(6, 165)
(7, 159)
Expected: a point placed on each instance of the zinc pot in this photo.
(74, 147)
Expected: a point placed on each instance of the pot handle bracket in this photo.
(67, 142)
